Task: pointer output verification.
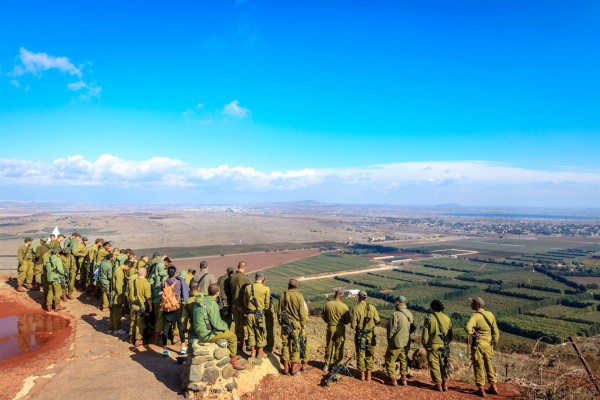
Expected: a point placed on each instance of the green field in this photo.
(549, 326)
(529, 277)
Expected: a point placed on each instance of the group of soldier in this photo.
(206, 307)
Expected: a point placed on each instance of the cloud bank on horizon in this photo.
(418, 183)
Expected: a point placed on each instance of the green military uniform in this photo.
(38, 267)
(364, 319)
(225, 295)
(482, 353)
(45, 259)
(118, 289)
(73, 244)
(100, 255)
(398, 337)
(70, 266)
(105, 274)
(54, 244)
(292, 302)
(54, 274)
(237, 283)
(80, 252)
(25, 257)
(92, 252)
(257, 298)
(434, 344)
(139, 293)
(187, 314)
(157, 276)
(206, 311)
(336, 315)
(270, 324)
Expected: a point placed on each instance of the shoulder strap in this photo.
(403, 313)
(366, 316)
(440, 327)
(254, 297)
(486, 320)
(202, 278)
(206, 320)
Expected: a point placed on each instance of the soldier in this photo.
(209, 326)
(102, 252)
(55, 243)
(118, 257)
(257, 297)
(237, 284)
(187, 315)
(399, 328)
(79, 253)
(140, 298)
(204, 278)
(55, 272)
(25, 257)
(118, 292)
(364, 319)
(70, 267)
(336, 315)
(74, 242)
(191, 273)
(437, 335)
(38, 268)
(484, 336)
(93, 266)
(105, 274)
(225, 295)
(158, 274)
(293, 315)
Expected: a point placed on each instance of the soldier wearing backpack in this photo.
(172, 296)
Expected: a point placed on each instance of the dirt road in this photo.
(380, 267)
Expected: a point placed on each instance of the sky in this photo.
(477, 103)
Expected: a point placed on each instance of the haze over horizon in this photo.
(247, 101)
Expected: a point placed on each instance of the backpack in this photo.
(168, 301)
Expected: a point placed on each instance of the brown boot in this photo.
(362, 375)
(48, 308)
(69, 297)
(368, 375)
(403, 381)
(305, 367)
(58, 307)
(176, 339)
(286, 367)
(137, 343)
(445, 386)
(21, 289)
(438, 387)
(235, 364)
(393, 381)
(252, 351)
(260, 353)
(64, 298)
(493, 389)
(28, 286)
(295, 369)
(480, 391)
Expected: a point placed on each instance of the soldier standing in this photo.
(55, 272)
(237, 284)
(204, 278)
(25, 257)
(225, 295)
(70, 266)
(484, 336)
(55, 242)
(38, 268)
(118, 292)
(292, 314)
(364, 319)
(257, 298)
(399, 328)
(437, 335)
(336, 315)
(93, 251)
(158, 274)
(105, 274)
(140, 298)
(79, 253)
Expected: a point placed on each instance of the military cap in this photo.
(61, 235)
(401, 299)
(54, 250)
(28, 239)
(203, 264)
(156, 254)
(84, 239)
(259, 274)
(339, 292)
(98, 240)
(478, 301)
(294, 282)
(43, 240)
(362, 293)
(230, 270)
(67, 250)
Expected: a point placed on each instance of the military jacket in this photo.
(93, 251)
(105, 273)
(359, 313)
(54, 269)
(188, 310)
(100, 255)
(54, 244)
(237, 284)
(336, 313)
(68, 262)
(213, 316)
(143, 292)
(118, 280)
(294, 306)
(262, 294)
(40, 252)
(225, 293)
(80, 252)
(73, 244)
(398, 328)
(24, 254)
(478, 324)
(159, 275)
(120, 260)
(431, 331)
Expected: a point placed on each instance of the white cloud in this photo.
(15, 83)
(235, 110)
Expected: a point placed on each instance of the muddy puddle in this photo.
(28, 333)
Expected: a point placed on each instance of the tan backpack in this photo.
(168, 301)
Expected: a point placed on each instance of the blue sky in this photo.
(471, 102)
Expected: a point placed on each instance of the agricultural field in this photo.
(464, 265)
(529, 277)
(494, 302)
(441, 273)
(549, 326)
(559, 311)
(533, 292)
(586, 280)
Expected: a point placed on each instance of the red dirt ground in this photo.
(217, 265)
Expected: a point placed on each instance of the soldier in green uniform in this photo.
(79, 253)
(187, 315)
(118, 291)
(237, 284)
(54, 274)
(25, 257)
(484, 336)
(158, 274)
(45, 259)
(209, 327)
(399, 328)
(105, 274)
(70, 266)
(293, 310)
(257, 297)
(38, 267)
(225, 295)
(336, 315)
(437, 333)
(92, 253)
(140, 298)
(364, 319)
(55, 242)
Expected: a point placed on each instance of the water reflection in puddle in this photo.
(27, 332)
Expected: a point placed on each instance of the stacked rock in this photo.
(208, 372)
